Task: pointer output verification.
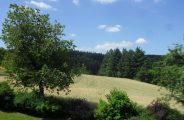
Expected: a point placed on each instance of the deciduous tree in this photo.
(38, 56)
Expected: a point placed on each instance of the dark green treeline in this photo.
(128, 64)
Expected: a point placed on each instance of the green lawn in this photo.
(16, 116)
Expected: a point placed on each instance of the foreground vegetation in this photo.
(37, 63)
(98, 87)
(118, 106)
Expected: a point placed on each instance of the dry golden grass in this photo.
(93, 88)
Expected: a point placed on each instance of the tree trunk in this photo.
(41, 88)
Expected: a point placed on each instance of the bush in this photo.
(6, 96)
(162, 111)
(159, 108)
(117, 107)
(32, 102)
(143, 114)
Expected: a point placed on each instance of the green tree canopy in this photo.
(38, 56)
(172, 72)
(122, 64)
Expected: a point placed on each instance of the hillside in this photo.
(93, 88)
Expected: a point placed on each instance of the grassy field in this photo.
(93, 88)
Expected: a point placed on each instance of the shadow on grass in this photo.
(71, 109)
(162, 111)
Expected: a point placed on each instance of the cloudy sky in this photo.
(99, 25)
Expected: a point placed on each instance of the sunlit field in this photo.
(93, 88)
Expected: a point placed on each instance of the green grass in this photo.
(16, 116)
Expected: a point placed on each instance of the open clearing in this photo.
(93, 88)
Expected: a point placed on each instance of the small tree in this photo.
(38, 56)
(117, 107)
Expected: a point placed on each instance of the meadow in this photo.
(92, 88)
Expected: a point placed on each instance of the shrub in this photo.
(159, 108)
(143, 114)
(6, 96)
(32, 102)
(26, 101)
(162, 111)
(117, 107)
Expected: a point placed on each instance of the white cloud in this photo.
(113, 45)
(73, 35)
(140, 41)
(76, 2)
(41, 5)
(102, 26)
(106, 1)
(103, 47)
(114, 28)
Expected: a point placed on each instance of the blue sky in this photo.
(98, 25)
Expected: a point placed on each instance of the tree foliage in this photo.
(87, 62)
(38, 55)
(117, 107)
(171, 74)
(123, 64)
